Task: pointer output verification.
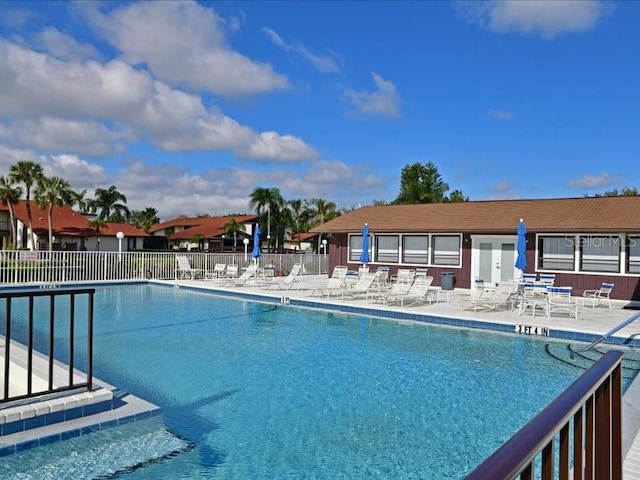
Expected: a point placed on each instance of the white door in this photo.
(494, 259)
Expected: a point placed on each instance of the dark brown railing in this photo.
(23, 360)
(585, 422)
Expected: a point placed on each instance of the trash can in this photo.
(446, 280)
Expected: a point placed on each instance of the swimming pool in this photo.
(260, 391)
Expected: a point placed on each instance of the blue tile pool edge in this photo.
(417, 317)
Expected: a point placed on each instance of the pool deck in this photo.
(451, 308)
(454, 308)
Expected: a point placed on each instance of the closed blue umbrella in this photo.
(521, 247)
(364, 256)
(256, 243)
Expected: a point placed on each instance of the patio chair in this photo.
(246, 277)
(361, 288)
(529, 278)
(504, 295)
(547, 278)
(418, 292)
(231, 272)
(185, 271)
(560, 300)
(335, 283)
(219, 271)
(291, 279)
(399, 288)
(597, 296)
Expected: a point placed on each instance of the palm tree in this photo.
(268, 203)
(27, 172)
(10, 195)
(80, 200)
(52, 192)
(299, 215)
(233, 228)
(97, 224)
(106, 200)
(144, 218)
(322, 211)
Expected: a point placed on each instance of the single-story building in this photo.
(71, 230)
(207, 233)
(584, 241)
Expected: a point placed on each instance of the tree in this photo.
(626, 192)
(268, 204)
(29, 173)
(299, 216)
(144, 218)
(97, 224)
(457, 196)
(233, 228)
(421, 183)
(52, 192)
(10, 195)
(106, 200)
(82, 203)
(321, 211)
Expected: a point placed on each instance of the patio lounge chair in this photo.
(292, 278)
(361, 288)
(400, 287)
(247, 275)
(504, 295)
(184, 270)
(597, 296)
(418, 292)
(335, 284)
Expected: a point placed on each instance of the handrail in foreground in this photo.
(593, 404)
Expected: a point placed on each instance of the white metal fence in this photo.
(44, 267)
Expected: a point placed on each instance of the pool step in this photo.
(102, 455)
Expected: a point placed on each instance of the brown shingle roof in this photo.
(589, 214)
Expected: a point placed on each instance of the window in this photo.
(633, 254)
(446, 250)
(556, 253)
(387, 249)
(415, 249)
(355, 247)
(600, 253)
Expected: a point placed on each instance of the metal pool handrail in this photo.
(620, 326)
(593, 404)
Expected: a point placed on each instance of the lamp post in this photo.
(222, 245)
(119, 236)
(98, 243)
(324, 246)
(246, 245)
(268, 228)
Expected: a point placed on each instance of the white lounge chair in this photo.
(400, 287)
(219, 272)
(504, 295)
(361, 288)
(290, 280)
(418, 292)
(247, 276)
(335, 283)
(185, 271)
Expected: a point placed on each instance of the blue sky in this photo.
(188, 106)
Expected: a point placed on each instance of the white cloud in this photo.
(196, 57)
(79, 173)
(590, 182)
(62, 46)
(548, 19)
(383, 101)
(55, 134)
(273, 146)
(90, 95)
(325, 63)
(501, 114)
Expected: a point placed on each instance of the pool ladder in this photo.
(620, 326)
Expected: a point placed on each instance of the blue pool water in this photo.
(276, 392)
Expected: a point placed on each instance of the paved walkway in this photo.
(457, 304)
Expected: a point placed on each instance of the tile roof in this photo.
(67, 221)
(208, 227)
(587, 214)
